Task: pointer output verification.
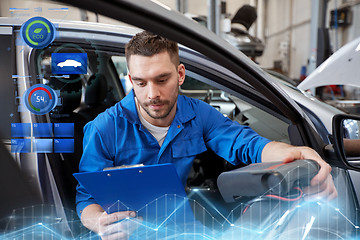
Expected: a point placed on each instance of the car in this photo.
(69, 63)
(319, 112)
(238, 34)
(339, 69)
(236, 86)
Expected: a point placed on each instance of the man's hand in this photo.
(321, 186)
(118, 225)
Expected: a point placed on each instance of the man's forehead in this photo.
(163, 54)
(139, 63)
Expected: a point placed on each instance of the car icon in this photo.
(69, 63)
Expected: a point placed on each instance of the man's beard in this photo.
(168, 103)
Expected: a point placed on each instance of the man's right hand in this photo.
(118, 225)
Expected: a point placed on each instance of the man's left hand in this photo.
(321, 186)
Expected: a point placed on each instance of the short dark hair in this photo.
(148, 44)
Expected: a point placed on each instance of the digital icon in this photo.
(40, 99)
(43, 145)
(20, 145)
(42, 129)
(63, 145)
(37, 32)
(64, 130)
(69, 63)
(20, 129)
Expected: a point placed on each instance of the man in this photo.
(154, 125)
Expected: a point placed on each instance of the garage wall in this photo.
(200, 6)
(287, 35)
(349, 33)
(286, 30)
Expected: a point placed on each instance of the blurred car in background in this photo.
(239, 35)
(340, 70)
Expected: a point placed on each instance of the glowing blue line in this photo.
(61, 76)
(24, 229)
(308, 227)
(346, 218)
(58, 9)
(21, 9)
(212, 205)
(18, 76)
(338, 210)
(32, 228)
(182, 204)
(57, 234)
(283, 217)
(140, 223)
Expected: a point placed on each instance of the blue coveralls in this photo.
(117, 137)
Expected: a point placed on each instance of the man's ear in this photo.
(181, 72)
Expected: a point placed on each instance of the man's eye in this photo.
(162, 80)
(141, 84)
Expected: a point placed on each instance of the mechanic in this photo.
(153, 124)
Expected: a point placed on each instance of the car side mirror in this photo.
(347, 139)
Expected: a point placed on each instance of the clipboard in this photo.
(155, 192)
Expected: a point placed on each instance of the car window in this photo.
(121, 68)
(235, 108)
(87, 93)
(71, 82)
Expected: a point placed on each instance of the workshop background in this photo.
(288, 28)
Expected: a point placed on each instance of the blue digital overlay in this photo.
(38, 32)
(20, 130)
(69, 63)
(20, 145)
(42, 129)
(63, 145)
(43, 145)
(302, 220)
(64, 129)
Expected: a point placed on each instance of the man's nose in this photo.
(153, 91)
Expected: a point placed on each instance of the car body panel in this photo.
(341, 68)
(322, 110)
